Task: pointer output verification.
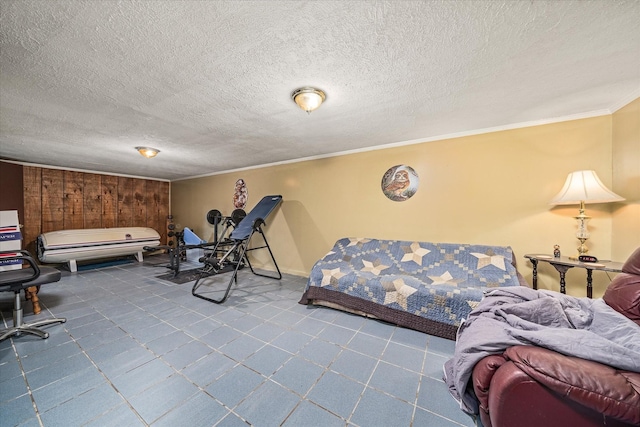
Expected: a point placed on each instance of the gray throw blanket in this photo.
(581, 327)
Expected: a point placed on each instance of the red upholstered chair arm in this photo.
(609, 391)
(482, 375)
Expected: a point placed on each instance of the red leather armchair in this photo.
(532, 386)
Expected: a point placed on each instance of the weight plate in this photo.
(237, 215)
(214, 217)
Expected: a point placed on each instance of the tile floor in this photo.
(140, 351)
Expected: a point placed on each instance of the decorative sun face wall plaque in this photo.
(240, 195)
(399, 183)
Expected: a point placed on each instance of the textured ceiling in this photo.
(208, 83)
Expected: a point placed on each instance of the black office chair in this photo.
(17, 280)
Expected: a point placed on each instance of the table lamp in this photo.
(583, 187)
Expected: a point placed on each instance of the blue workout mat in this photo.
(262, 210)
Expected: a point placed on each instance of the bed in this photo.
(429, 287)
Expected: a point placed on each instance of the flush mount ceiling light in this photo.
(148, 152)
(308, 98)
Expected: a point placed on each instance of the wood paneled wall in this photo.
(63, 200)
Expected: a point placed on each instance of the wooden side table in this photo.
(563, 264)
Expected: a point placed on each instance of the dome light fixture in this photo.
(148, 152)
(308, 98)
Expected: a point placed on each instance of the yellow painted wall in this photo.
(626, 180)
(492, 188)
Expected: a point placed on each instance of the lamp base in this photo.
(582, 250)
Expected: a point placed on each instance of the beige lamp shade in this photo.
(584, 186)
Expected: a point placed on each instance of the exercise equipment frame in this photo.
(214, 217)
(238, 246)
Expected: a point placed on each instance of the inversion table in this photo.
(238, 246)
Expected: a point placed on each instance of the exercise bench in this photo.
(187, 239)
